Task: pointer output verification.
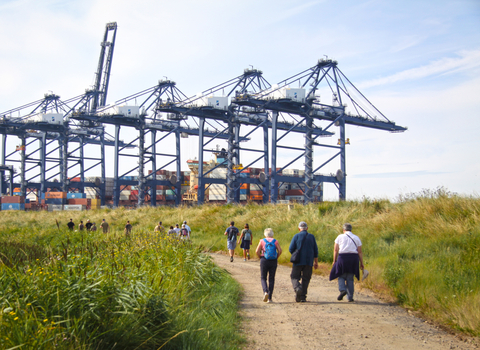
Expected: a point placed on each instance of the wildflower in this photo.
(29, 304)
(16, 318)
(45, 320)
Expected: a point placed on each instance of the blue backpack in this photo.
(270, 249)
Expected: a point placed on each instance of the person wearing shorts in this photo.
(246, 238)
(231, 232)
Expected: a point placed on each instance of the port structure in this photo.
(303, 105)
(164, 114)
(217, 112)
(157, 131)
(45, 133)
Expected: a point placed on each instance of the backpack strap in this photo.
(352, 241)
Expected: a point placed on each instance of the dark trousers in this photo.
(268, 267)
(303, 273)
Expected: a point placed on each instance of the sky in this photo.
(417, 61)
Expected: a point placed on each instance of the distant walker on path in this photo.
(246, 238)
(231, 232)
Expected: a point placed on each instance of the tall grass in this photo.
(147, 291)
(422, 250)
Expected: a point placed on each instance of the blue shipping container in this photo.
(76, 195)
(13, 206)
(243, 191)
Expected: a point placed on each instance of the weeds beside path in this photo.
(325, 323)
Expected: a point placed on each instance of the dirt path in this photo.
(325, 323)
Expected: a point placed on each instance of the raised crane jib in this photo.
(104, 66)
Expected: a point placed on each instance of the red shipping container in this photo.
(135, 192)
(80, 201)
(13, 199)
(160, 197)
(74, 179)
(294, 193)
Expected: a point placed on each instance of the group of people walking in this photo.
(347, 259)
(177, 231)
(89, 226)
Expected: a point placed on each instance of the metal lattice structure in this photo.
(258, 122)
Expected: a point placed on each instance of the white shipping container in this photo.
(217, 190)
(218, 102)
(55, 207)
(243, 197)
(161, 177)
(217, 197)
(295, 94)
(51, 118)
(256, 187)
(128, 111)
(76, 207)
(160, 192)
(219, 173)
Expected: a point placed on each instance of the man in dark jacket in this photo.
(302, 271)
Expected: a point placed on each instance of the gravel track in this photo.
(325, 323)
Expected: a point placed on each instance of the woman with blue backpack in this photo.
(268, 250)
(246, 238)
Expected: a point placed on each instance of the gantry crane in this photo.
(304, 102)
(45, 133)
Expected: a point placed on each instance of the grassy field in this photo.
(422, 250)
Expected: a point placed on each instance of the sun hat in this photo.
(365, 274)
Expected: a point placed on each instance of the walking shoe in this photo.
(269, 301)
(231, 259)
(265, 297)
(351, 300)
(342, 294)
(298, 295)
(244, 259)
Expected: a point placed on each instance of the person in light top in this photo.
(347, 254)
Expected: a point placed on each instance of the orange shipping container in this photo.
(55, 195)
(245, 186)
(256, 193)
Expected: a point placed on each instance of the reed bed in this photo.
(146, 291)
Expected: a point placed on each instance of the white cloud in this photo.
(448, 65)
